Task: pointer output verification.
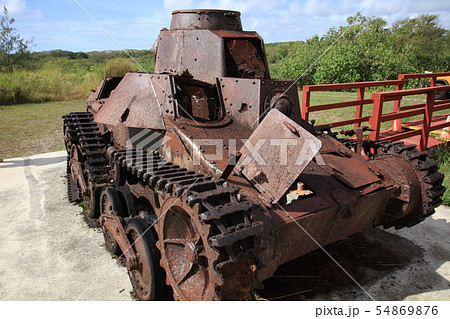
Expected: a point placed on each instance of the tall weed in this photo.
(52, 79)
(119, 66)
(49, 83)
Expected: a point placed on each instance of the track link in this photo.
(96, 171)
(72, 190)
(233, 235)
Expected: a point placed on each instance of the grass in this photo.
(119, 66)
(443, 158)
(46, 84)
(51, 78)
(28, 129)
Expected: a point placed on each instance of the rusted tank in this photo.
(206, 179)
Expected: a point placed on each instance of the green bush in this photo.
(365, 50)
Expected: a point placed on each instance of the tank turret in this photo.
(206, 44)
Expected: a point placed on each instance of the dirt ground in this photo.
(49, 253)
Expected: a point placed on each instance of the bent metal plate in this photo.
(275, 155)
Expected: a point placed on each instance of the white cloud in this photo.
(371, 7)
(430, 5)
(244, 7)
(19, 9)
(386, 7)
(312, 8)
(255, 24)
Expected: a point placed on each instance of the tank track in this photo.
(85, 132)
(72, 190)
(428, 171)
(233, 233)
(80, 130)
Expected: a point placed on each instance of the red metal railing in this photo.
(399, 112)
(397, 124)
(359, 102)
(431, 76)
(426, 109)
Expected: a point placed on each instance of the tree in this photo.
(301, 61)
(366, 50)
(427, 41)
(362, 51)
(13, 48)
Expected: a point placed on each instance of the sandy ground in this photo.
(49, 253)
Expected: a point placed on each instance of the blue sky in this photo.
(135, 24)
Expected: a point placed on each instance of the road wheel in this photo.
(110, 205)
(118, 172)
(148, 278)
(127, 200)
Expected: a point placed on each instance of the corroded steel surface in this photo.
(205, 177)
(206, 19)
(275, 155)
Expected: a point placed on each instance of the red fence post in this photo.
(375, 120)
(305, 103)
(397, 124)
(359, 108)
(428, 116)
(433, 81)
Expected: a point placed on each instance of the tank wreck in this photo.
(205, 178)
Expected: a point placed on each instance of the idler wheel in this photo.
(68, 138)
(88, 195)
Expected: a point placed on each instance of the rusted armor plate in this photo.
(275, 155)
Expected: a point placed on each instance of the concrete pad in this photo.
(427, 277)
(423, 270)
(49, 253)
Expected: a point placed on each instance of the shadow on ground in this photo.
(29, 161)
(367, 257)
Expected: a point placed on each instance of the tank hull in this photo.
(205, 178)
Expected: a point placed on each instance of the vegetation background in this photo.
(364, 50)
